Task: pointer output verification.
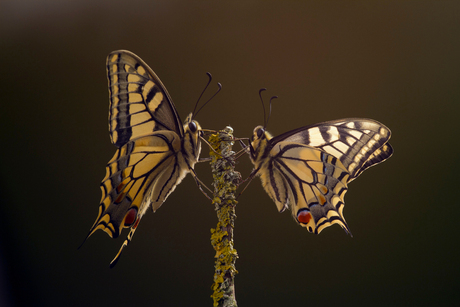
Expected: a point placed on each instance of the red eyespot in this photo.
(130, 217)
(304, 216)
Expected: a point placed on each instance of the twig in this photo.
(225, 184)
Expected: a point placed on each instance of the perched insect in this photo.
(154, 153)
(308, 169)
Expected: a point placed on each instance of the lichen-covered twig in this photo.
(225, 184)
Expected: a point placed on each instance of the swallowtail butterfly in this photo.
(154, 153)
(308, 169)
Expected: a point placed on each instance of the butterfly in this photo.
(154, 153)
(308, 169)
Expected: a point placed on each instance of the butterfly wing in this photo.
(139, 102)
(142, 173)
(145, 126)
(358, 143)
(308, 169)
(309, 181)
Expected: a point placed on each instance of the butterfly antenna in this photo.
(220, 87)
(204, 90)
(270, 110)
(263, 106)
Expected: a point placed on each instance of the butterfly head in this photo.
(259, 142)
(192, 126)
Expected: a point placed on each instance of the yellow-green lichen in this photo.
(225, 179)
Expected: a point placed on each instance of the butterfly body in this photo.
(155, 151)
(308, 169)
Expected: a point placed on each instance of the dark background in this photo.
(393, 61)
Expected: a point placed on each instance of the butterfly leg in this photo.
(250, 177)
(199, 183)
(227, 158)
(240, 153)
(241, 142)
(245, 148)
(204, 140)
(208, 131)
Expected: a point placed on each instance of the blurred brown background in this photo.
(393, 61)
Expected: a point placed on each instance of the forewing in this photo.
(139, 102)
(310, 181)
(358, 143)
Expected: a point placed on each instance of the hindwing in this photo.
(148, 161)
(310, 182)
